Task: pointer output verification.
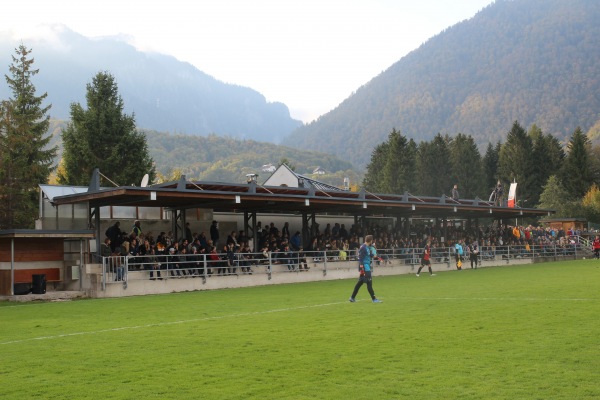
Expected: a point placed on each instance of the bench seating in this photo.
(25, 275)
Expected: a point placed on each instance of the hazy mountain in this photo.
(535, 61)
(225, 159)
(164, 93)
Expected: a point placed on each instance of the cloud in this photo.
(41, 34)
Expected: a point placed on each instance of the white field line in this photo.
(497, 298)
(123, 328)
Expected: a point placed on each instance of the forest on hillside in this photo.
(226, 159)
(548, 176)
(535, 61)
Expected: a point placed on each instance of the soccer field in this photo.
(512, 332)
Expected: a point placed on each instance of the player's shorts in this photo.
(425, 262)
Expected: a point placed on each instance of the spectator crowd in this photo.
(198, 254)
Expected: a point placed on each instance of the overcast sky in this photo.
(308, 54)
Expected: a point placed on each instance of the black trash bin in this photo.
(38, 284)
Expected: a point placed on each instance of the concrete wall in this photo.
(138, 282)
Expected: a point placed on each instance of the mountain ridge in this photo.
(164, 93)
(528, 60)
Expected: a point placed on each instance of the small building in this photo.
(284, 176)
(56, 256)
(318, 171)
(565, 223)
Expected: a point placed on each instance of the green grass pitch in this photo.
(511, 332)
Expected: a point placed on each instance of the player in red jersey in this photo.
(426, 259)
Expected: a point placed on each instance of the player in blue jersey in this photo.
(365, 254)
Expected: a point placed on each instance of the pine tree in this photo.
(547, 157)
(575, 174)
(515, 162)
(393, 170)
(554, 196)
(432, 170)
(373, 180)
(467, 167)
(408, 166)
(490, 166)
(392, 166)
(104, 137)
(25, 159)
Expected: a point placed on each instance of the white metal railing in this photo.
(117, 269)
(582, 240)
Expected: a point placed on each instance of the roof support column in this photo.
(445, 229)
(95, 214)
(177, 223)
(251, 228)
(362, 224)
(313, 227)
(306, 239)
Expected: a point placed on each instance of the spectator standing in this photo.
(229, 257)
(114, 234)
(188, 233)
(302, 263)
(499, 194)
(232, 239)
(137, 229)
(214, 261)
(214, 233)
(145, 250)
(117, 258)
(327, 231)
(335, 231)
(245, 256)
(455, 193)
(105, 249)
(285, 231)
(343, 232)
(134, 251)
(203, 242)
(273, 229)
(155, 265)
(296, 241)
(173, 262)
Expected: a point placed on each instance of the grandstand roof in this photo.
(251, 197)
